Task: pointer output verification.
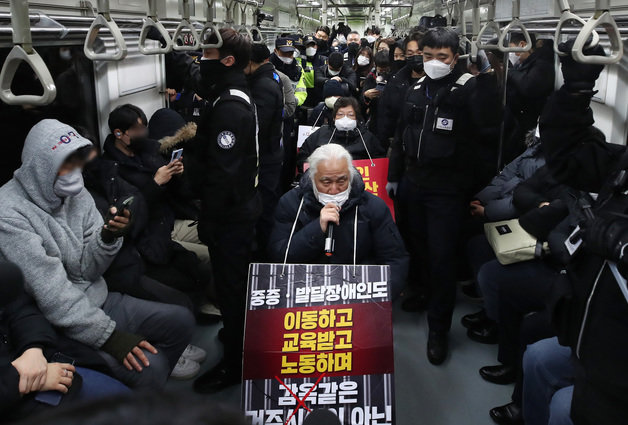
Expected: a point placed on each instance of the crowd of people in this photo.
(112, 252)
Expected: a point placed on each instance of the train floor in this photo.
(450, 394)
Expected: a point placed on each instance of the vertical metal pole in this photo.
(324, 12)
(502, 129)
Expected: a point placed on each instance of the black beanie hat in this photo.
(164, 122)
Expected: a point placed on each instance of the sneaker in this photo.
(194, 353)
(210, 310)
(185, 369)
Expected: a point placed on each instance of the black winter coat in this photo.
(390, 103)
(267, 93)
(439, 131)
(378, 240)
(223, 159)
(347, 74)
(122, 176)
(350, 140)
(22, 326)
(593, 315)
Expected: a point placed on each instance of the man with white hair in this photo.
(332, 191)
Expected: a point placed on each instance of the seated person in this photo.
(495, 201)
(548, 383)
(337, 70)
(136, 160)
(171, 131)
(322, 113)
(332, 191)
(53, 231)
(347, 130)
(24, 366)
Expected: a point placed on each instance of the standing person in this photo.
(322, 35)
(429, 171)
(390, 105)
(309, 63)
(224, 165)
(267, 92)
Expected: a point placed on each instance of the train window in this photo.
(75, 103)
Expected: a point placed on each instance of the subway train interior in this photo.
(486, 199)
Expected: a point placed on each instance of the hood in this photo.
(47, 146)
(306, 191)
(185, 133)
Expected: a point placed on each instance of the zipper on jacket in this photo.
(586, 310)
(418, 153)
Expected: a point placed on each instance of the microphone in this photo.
(330, 242)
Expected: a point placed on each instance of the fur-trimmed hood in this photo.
(185, 133)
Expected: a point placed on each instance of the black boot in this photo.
(437, 347)
(475, 320)
(217, 379)
(510, 414)
(500, 374)
(487, 333)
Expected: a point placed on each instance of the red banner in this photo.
(375, 178)
(305, 342)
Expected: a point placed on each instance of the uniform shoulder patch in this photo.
(226, 139)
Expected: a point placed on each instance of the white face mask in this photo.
(70, 184)
(371, 38)
(346, 124)
(296, 54)
(341, 39)
(338, 199)
(436, 69)
(363, 60)
(514, 58)
(332, 72)
(287, 61)
(331, 101)
(310, 51)
(65, 54)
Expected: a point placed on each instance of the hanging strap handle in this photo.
(567, 16)
(515, 23)
(490, 24)
(104, 20)
(152, 20)
(602, 16)
(185, 24)
(210, 28)
(23, 52)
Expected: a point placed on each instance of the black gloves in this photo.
(607, 237)
(579, 77)
(120, 344)
(154, 34)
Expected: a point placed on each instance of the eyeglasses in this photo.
(341, 115)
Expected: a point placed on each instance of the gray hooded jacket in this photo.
(56, 242)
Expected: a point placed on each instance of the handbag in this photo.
(511, 243)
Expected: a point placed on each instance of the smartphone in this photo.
(121, 205)
(380, 86)
(53, 398)
(176, 154)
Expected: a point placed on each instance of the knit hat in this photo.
(164, 122)
(332, 88)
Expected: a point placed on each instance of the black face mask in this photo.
(139, 143)
(353, 49)
(212, 71)
(397, 65)
(416, 62)
(322, 45)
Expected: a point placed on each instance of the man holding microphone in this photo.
(331, 194)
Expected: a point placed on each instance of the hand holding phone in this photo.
(176, 155)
